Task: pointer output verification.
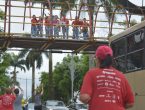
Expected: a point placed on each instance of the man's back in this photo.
(108, 88)
(17, 103)
(7, 101)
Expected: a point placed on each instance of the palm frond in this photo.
(23, 53)
(46, 54)
(22, 62)
(21, 67)
(39, 61)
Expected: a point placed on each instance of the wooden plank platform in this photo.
(50, 43)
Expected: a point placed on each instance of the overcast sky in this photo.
(56, 57)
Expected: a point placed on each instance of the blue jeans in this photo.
(75, 33)
(85, 35)
(40, 30)
(56, 31)
(65, 30)
(51, 31)
(34, 31)
(48, 31)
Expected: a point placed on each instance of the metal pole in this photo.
(9, 26)
(6, 4)
(26, 88)
(24, 15)
(72, 91)
(72, 70)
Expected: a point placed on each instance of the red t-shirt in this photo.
(34, 22)
(76, 23)
(1, 105)
(108, 89)
(65, 20)
(40, 22)
(55, 22)
(7, 101)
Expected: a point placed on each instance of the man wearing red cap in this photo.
(104, 87)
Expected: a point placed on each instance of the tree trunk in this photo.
(50, 63)
(51, 92)
(14, 75)
(91, 61)
(33, 81)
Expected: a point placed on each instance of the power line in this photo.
(26, 78)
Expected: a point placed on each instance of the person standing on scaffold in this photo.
(34, 22)
(40, 27)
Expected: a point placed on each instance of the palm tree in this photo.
(34, 59)
(17, 62)
(132, 23)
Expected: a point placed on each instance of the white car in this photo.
(54, 105)
(78, 106)
(81, 106)
(30, 106)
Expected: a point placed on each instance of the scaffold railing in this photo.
(93, 27)
(7, 15)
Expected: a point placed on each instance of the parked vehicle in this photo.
(81, 106)
(78, 106)
(30, 106)
(54, 105)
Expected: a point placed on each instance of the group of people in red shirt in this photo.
(53, 25)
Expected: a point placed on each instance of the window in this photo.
(129, 52)
(135, 41)
(118, 47)
(119, 63)
(135, 60)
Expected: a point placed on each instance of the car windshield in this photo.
(81, 106)
(54, 103)
(31, 105)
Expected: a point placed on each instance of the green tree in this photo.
(132, 23)
(34, 60)
(62, 78)
(17, 62)
(4, 65)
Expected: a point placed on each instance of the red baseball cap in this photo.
(103, 51)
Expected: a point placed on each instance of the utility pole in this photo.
(72, 70)
(91, 61)
(26, 88)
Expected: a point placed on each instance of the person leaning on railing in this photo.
(56, 26)
(48, 26)
(40, 27)
(34, 22)
(84, 29)
(64, 22)
(76, 25)
(46, 23)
